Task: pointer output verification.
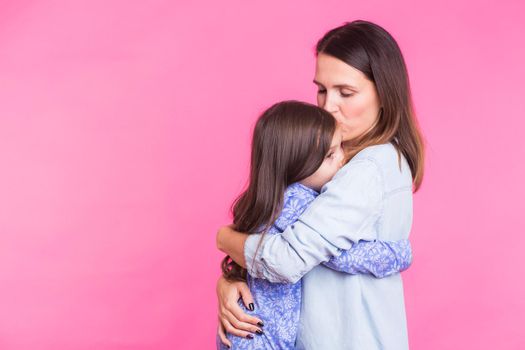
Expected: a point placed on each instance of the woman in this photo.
(362, 81)
(296, 150)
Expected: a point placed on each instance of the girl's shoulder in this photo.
(297, 198)
(300, 191)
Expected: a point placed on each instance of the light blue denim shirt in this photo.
(370, 198)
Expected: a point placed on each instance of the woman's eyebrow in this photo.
(338, 85)
(345, 86)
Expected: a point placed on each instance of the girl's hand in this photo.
(232, 318)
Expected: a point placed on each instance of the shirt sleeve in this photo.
(378, 258)
(345, 212)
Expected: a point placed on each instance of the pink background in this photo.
(124, 138)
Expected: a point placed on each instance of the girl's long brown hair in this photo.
(372, 50)
(290, 141)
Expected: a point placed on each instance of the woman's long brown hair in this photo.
(372, 50)
(290, 141)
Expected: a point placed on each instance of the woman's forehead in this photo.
(336, 73)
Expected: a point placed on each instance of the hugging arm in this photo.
(343, 214)
(377, 258)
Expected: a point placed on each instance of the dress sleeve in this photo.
(294, 205)
(344, 213)
(377, 258)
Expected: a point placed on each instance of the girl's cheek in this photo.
(340, 160)
(335, 168)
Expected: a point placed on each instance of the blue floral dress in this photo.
(279, 304)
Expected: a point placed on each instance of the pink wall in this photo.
(124, 137)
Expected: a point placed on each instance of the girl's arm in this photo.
(378, 258)
(231, 241)
(344, 213)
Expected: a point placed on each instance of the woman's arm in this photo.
(231, 317)
(231, 241)
(377, 258)
(344, 213)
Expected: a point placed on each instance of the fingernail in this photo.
(249, 336)
(227, 346)
(260, 324)
(251, 307)
(259, 332)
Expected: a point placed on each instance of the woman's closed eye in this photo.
(346, 93)
(343, 94)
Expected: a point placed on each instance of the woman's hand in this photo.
(232, 318)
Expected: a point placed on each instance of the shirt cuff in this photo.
(257, 266)
(250, 248)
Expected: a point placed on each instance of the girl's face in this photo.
(346, 93)
(332, 162)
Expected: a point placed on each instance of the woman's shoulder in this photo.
(374, 158)
(389, 161)
(377, 153)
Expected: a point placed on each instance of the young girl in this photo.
(296, 150)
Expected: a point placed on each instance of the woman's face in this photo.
(346, 93)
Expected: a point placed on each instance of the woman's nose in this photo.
(329, 105)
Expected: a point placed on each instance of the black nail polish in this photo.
(249, 336)
(228, 346)
(251, 307)
(259, 332)
(260, 324)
